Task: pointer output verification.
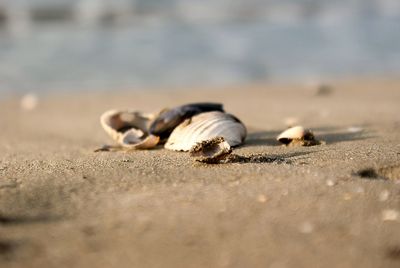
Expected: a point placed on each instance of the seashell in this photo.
(129, 128)
(206, 126)
(169, 119)
(29, 102)
(291, 121)
(211, 151)
(323, 90)
(297, 136)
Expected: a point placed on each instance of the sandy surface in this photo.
(62, 205)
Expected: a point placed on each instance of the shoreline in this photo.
(296, 84)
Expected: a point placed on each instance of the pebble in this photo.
(29, 102)
(359, 190)
(306, 227)
(234, 183)
(262, 198)
(330, 183)
(324, 113)
(291, 121)
(390, 215)
(384, 195)
(347, 196)
(323, 90)
(354, 129)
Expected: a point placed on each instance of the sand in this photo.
(63, 205)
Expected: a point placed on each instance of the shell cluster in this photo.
(180, 128)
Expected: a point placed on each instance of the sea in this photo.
(48, 46)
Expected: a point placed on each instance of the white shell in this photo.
(136, 125)
(206, 126)
(297, 133)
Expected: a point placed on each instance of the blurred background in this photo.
(50, 45)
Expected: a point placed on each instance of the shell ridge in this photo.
(206, 126)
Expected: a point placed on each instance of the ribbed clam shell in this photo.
(129, 128)
(206, 126)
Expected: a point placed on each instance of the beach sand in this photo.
(63, 205)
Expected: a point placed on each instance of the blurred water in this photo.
(159, 52)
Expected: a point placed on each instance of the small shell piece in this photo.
(206, 126)
(29, 102)
(297, 136)
(211, 151)
(129, 128)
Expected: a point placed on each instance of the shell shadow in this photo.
(7, 248)
(262, 138)
(331, 138)
(24, 219)
(340, 134)
(266, 158)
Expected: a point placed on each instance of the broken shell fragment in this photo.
(129, 128)
(206, 126)
(211, 151)
(169, 119)
(297, 136)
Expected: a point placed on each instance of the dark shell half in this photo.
(169, 119)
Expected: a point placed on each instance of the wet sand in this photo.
(62, 205)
